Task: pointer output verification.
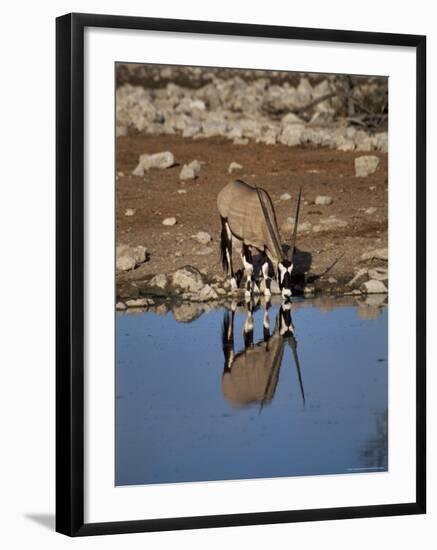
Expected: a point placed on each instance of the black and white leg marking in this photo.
(227, 237)
(246, 257)
(265, 268)
(248, 327)
(266, 322)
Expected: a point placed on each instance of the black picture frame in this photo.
(70, 273)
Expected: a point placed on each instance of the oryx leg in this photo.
(285, 320)
(226, 251)
(246, 257)
(248, 326)
(266, 321)
(228, 339)
(265, 268)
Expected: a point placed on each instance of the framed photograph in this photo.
(240, 274)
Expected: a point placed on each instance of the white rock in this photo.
(285, 197)
(370, 210)
(363, 141)
(169, 221)
(360, 276)
(377, 254)
(381, 142)
(128, 257)
(207, 293)
(291, 118)
(347, 145)
(234, 166)
(192, 129)
(366, 165)
(130, 212)
(187, 173)
(121, 131)
(120, 306)
(214, 127)
(190, 171)
(188, 279)
(309, 290)
(158, 160)
(379, 273)
(304, 227)
(329, 224)
(304, 91)
(374, 287)
(323, 200)
(291, 135)
(202, 237)
(182, 191)
(138, 302)
(159, 281)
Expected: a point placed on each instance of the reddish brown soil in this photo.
(278, 169)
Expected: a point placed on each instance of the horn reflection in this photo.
(251, 375)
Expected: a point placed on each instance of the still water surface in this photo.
(190, 406)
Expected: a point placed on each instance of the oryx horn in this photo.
(296, 221)
(293, 346)
(269, 223)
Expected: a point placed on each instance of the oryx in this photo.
(247, 214)
(251, 375)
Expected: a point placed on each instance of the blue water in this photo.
(174, 423)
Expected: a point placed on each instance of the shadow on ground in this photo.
(45, 520)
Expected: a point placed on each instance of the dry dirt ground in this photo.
(277, 168)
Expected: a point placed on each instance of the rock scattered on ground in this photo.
(139, 302)
(377, 254)
(285, 197)
(360, 277)
(371, 210)
(169, 221)
(234, 166)
(129, 257)
(328, 224)
(207, 293)
(188, 279)
(257, 108)
(291, 118)
(366, 165)
(190, 171)
(159, 281)
(323, 200)
(308, 291)
(202, 237)
(304, 227)
(374, 287)
(158, 160)
(130, 212)
(378, 273)
(319, 171)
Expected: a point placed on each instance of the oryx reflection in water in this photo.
(251, 375)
